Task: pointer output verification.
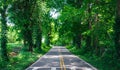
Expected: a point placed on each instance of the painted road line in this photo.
(35, 68)
(53, 68)
(60, 60)
(62, 65)
(73, 68)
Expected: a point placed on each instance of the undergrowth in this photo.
(106, 62)
(22, 59)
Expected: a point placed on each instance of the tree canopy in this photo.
(93, 26)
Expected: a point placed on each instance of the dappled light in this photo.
(53, 60)
(59, 34)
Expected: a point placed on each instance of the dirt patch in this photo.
(11, 54)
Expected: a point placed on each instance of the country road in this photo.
(59, 58)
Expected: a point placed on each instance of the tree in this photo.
(117, 29)
(37, 27)
(3, 11)
(73, 20)
(23, 10)
(89, 25)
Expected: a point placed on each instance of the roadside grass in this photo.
(101, 63)
(20, 59)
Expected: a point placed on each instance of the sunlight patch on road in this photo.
(35, 68)
(53, 68)
(86, 68)
(80, 68)
(73, 68)
(51, 56)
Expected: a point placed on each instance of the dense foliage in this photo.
(90, 26)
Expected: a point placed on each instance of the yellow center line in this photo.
(62, 65)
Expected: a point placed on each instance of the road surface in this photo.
(59, 58)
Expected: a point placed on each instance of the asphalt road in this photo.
(59, 58)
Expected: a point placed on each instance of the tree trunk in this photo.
(27, 37)
(30, 40)
(77, 40)
(24, 34)
(38, 38)
(117, 30)
(4, 34)
(47, 39)
(95, 42)
(88, 40)
(73, 41)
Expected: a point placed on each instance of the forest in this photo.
(90, 29)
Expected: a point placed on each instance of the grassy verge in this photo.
(19, 59)
(101, 63)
